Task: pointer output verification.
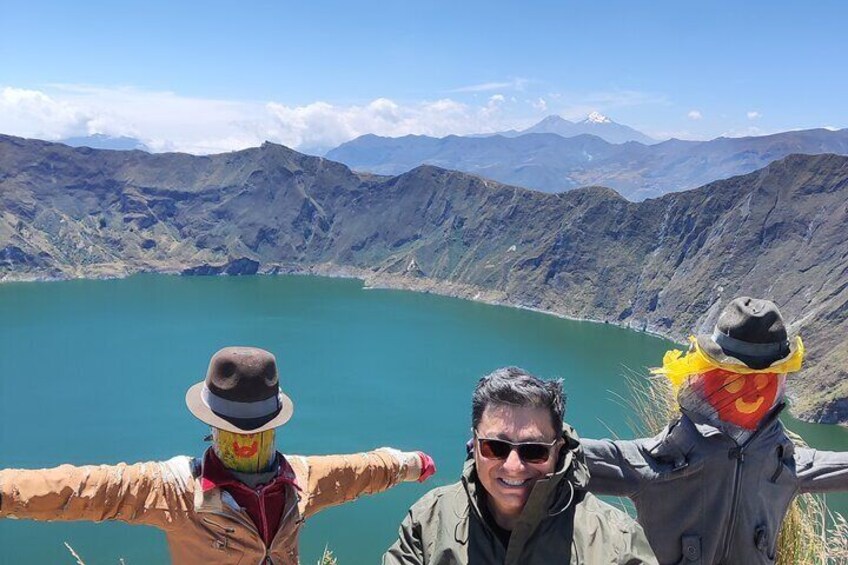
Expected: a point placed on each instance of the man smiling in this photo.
(522, 497)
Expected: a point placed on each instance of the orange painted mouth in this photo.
(246, 450)
(748, 407)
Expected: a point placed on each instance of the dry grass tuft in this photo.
(74, 553)
(327, 558)
(810, 534)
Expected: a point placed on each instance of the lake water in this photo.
(96, 372)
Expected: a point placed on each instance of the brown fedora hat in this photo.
(750, 332)
(241, 392)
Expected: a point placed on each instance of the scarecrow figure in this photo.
(714, 485)
(242, 502)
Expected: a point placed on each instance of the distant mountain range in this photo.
(552, 163)
(101, 141)
(666, 265)
(594, 124)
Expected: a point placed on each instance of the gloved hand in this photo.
(414, 465)
(428, 466)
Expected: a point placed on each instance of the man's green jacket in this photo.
(561, 523)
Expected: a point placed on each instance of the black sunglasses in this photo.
(529, 452)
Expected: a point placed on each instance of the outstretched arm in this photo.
(335, 479)
(615, 467)
(821, 471)
(144, 493)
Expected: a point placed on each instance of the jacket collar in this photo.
(213, 479)
(214, 474)
(707, 428)
(685, 433)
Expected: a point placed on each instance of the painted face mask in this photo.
(245, 453)
(731, 393)
(740, 399)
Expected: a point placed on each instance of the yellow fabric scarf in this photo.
(677, 366)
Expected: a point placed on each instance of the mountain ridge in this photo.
(594, 124)
(552, 163)
(665, 265)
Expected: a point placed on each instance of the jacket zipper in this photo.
(739, 454)
(289, 511)
(283, 524)
(234, 516)
(227, 529)
(734, 505)
(260, 494)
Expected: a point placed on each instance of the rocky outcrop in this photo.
(666, 265)
(236, 267)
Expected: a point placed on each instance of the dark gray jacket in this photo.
(560, 524)
(703, 498)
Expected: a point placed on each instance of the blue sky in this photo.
(216, 76)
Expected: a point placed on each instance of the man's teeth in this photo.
(511, 483)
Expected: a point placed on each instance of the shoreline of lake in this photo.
(386, 281)
(370, 280)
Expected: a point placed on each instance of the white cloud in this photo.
(325, 125)
(31, 113)
(753, 115)
(540, 104)
(492, 107)
(163, 120)
(166, 121)
(694, 115)
(514, 84)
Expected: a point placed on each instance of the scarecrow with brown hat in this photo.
(715, 484)
(242, 502)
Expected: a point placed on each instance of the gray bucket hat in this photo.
(241, 392)
(750, 332)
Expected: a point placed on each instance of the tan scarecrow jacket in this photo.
(201, 527)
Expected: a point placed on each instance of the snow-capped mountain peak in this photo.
(597, 118)
(595, 124)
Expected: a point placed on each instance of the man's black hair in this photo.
(513, 386)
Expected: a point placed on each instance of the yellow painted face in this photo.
(245, 453)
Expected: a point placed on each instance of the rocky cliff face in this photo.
(666, 265)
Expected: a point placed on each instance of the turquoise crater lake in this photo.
(96, 372)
